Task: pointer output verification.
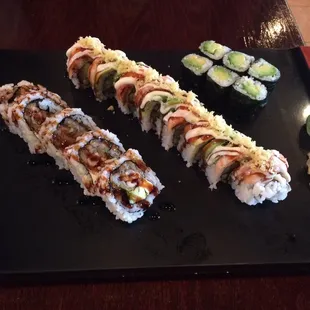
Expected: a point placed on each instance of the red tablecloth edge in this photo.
(306, 51)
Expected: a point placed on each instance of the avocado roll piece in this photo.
(265, 72)
(248, 94)
(238, 61)
(219, 82)
(213, 50)
(197, 64)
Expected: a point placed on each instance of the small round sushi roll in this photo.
(219, 82)
(265, 72)
(174, 123)
(27, 113)
(89, 154)
(260, 179)
(248, 94)
(62, 130)
(238, 61)
(219, 158)
(214, 50)
(128, 186)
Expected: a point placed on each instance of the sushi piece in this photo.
(238, 61)
(218, 85)
(90, 154)
(248, 94)
(265, 72)
(131, 76)
(128, 186)
(102, 74)
(79, 58)
(256, 181)
(62, 130)
(219, 159)
(174, 123)
(213, 50)
(30, 107)
(198, 65)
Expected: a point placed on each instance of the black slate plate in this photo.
(44, 231)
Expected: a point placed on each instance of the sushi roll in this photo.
(174, 123)
(218, 84)
(102, 74)
(219, 159)
(213, 50)
(62, 130)
(261, 178)
(27, 109)
(128, 186)
(131, 76)
(265, 72)
(238, 61)
(90, 154)
(79, 58)
(248, 94)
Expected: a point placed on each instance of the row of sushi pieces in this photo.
(181, 121)
(248, 81)
(95, 157)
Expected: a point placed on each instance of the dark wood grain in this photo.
(146, 24)
(156, 24)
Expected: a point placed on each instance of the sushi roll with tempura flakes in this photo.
(265, 72)
(248, 94)
(213, 50)
(128, 186)
(238, 61)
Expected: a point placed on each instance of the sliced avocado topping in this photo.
(308, 125)
(252, 89)
(194, 60)
(266, 70)
(236, 59)
(138, 194)
(169, 104)
(221, 73)
(210, 147)
(211, 47)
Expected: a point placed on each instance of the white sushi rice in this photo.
(239, 86)
(274, 190)
(268, 78)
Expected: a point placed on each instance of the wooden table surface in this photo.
(145, 25)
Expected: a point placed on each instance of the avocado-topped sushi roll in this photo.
(238, 61)
(197, 64)
(248, 93)
(213, 50)
(265, 72)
